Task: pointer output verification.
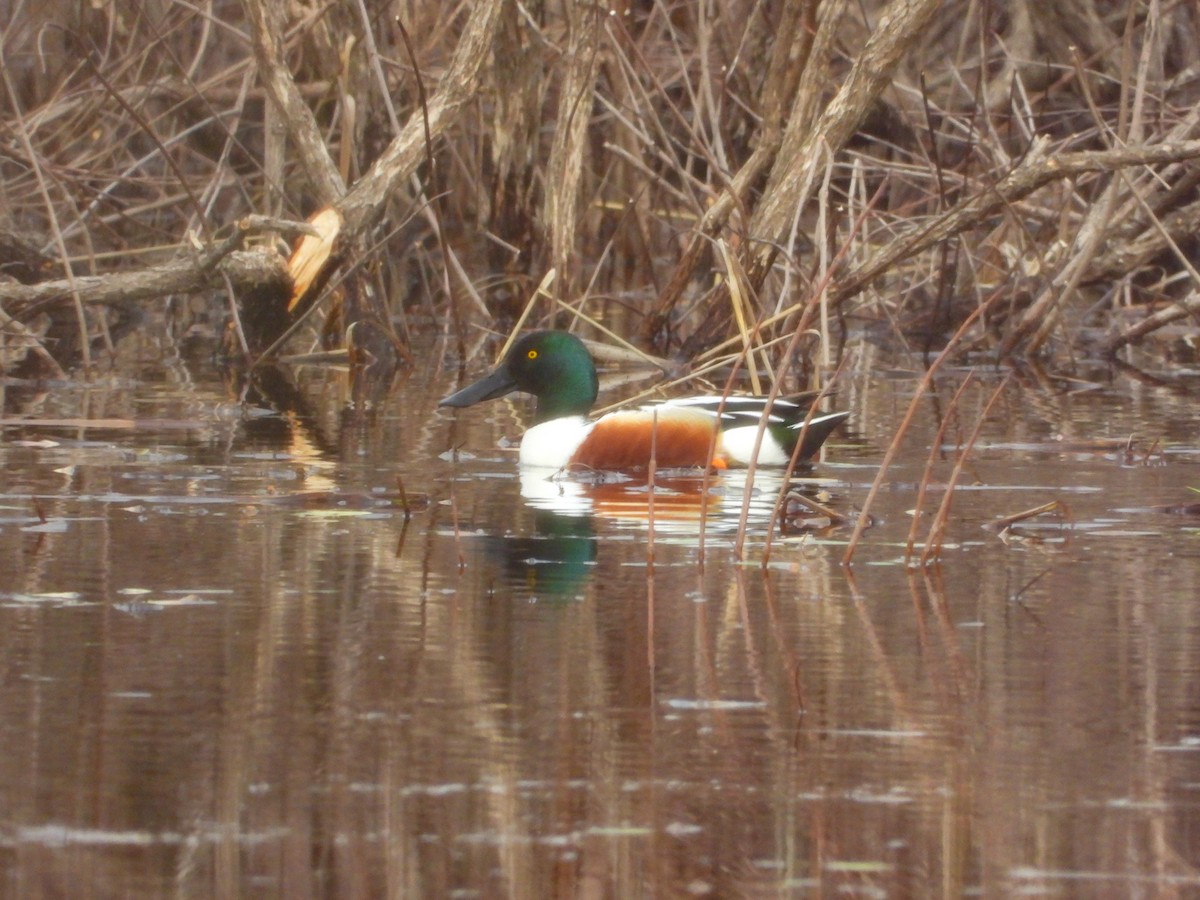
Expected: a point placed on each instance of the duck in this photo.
(557, 369)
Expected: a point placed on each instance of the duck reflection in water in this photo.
(556, 556)
(684, 500)
(553, 559)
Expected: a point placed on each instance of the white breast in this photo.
(738, 446)
(551, 445)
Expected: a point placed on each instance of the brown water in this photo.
(231, 667)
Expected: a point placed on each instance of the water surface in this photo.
(233, 666)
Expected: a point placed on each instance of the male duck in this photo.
(557, 368)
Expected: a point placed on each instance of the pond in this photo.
(314, 651)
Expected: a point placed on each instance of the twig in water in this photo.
(819, 508)
(1155, 447)
(933, 545)
(651, 469)
(795, 461)
(403, 498)
(864, 515)
(1005, 523)
(934, 452)
(650, 664)
(400, 540)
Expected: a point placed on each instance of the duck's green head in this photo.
(554, 366)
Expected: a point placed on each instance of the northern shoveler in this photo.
(558, 370)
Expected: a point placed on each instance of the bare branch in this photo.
(365, 203)
(267, 27)
(179, 276)
(1036, 171)
(806, 145)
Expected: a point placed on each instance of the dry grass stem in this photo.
(633, 154)
(937, 529)
(893, 448)
(935, 453)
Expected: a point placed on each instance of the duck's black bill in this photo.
(489, 387)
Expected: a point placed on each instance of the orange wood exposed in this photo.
(312, 252)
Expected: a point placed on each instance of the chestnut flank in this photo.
(622, 440)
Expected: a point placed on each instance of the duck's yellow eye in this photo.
(532, 354)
